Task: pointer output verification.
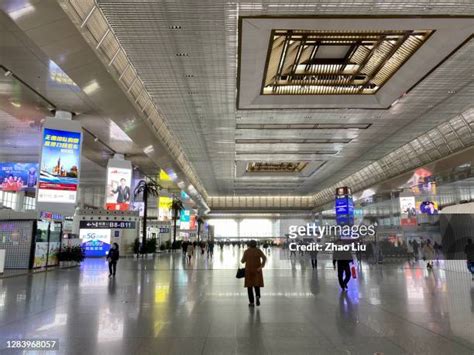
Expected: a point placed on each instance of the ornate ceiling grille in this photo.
(283, 167)
(328, 62)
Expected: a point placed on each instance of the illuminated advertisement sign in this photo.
(344, 206)
(164, 176)
(60, 161)
(95, 242)
(107, 225)
(18, 176)
(164, 208)
(407, 211)
(184, 219)
(428, 207)
(119, 181)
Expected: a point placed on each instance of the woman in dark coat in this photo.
(254, 260)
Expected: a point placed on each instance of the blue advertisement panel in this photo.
(60, 161)
(95, 242)
(344, 206)
(18, 176)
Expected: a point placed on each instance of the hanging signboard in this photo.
(60, 160)
(119, 182)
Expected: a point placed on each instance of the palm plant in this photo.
(200, 222)
(176, 207)
(146, 188)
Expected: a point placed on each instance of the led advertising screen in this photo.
(344, 206)
(184, 219)
(60, 161)
(164, 208)
(95, 242)
(408, 211)
(428, 207)
(119, 182)
(407, 206)
(18, 176)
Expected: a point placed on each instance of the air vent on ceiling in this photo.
(289, 152)
(293, 141)
(303, 126)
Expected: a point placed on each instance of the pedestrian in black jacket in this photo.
(112, 258)
(343, 259)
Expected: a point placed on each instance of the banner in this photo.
(95, 242)
(185, 219)
(119, 182)
(344, 206)
(18, 176)
(407, 211)
(164, 208)
(60, 161)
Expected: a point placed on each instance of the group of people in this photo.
(189, 248)
(255, 260)
(429, 251)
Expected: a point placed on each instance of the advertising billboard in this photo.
(344, 206)
(18, 176)
(119, 182)
(59, 167)
(184, 219)
(408, 211)
(407, 206)
(164, 208)
(95, 242)
(427, 207)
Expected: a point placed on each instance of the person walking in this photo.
(469, 251)
(112, 258)
(343, 259)
(314, 258)
(254, 260)
(428, 254)
(416, 249)
(190, 251)
(210, 249)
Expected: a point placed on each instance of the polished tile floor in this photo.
(164, 306)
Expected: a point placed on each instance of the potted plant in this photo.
(147, 188)
(151, 246)
(176, 207)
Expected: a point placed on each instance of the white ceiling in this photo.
(196, 90)
(186, 54)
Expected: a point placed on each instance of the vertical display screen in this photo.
(119, 182)
(59, 169)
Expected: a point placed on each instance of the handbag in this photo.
(240, 273)
(353, 272)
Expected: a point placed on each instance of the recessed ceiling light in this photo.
(91, 87)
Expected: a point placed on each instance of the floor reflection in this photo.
(165, 300)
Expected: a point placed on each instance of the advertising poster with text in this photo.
(119, 182)
(95, 242)
(60, 161)
(407, 211)
(18, 176)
